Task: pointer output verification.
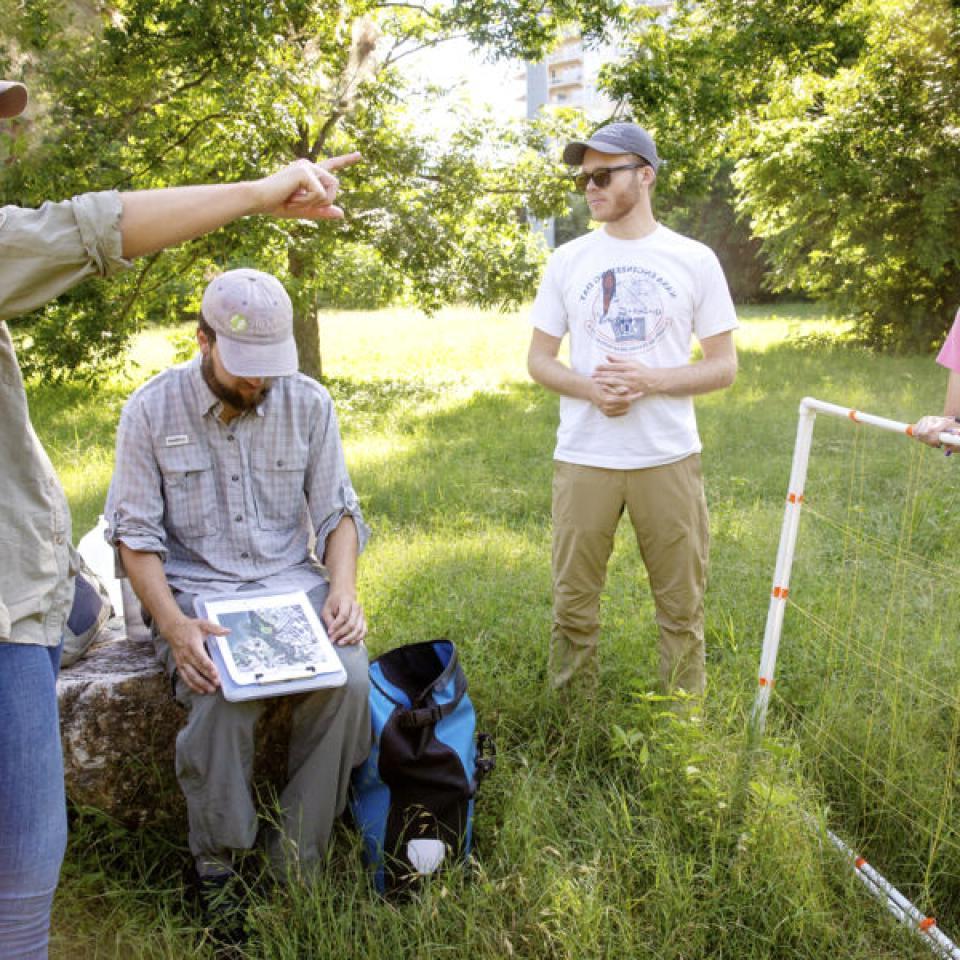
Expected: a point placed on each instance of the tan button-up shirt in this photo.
(43, 253)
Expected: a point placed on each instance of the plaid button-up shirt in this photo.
(229, 504)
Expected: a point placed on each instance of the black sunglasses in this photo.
(601, 176)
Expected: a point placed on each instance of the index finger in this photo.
(338, 163)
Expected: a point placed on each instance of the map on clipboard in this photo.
(277, 645)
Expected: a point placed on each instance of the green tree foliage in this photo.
(839, 120)
(158, 92)
(675, 80)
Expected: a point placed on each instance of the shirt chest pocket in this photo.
(189, 491)
(278, 482)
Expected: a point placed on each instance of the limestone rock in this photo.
(119, 722)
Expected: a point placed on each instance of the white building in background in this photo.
(569, 75)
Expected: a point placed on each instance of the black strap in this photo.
(433, 713)
(425, 716)
(486, 755)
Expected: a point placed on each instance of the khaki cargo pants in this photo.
(668, 511)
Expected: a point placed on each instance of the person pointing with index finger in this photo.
(43, 253)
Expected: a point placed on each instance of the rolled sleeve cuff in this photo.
(98, 219)
(350, 507)
(140, 542)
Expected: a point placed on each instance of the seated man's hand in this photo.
(186, 639)
(343, 617)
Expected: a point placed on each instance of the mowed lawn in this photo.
(610, 829)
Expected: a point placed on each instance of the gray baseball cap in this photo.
(252, 316)
(13, 99)
(615, 138)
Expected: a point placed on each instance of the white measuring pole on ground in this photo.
(897, 903)
(881, 888)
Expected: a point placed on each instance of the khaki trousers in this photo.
(668, 511)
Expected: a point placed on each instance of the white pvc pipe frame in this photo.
(895, 901)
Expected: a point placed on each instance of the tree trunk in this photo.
(306, 329)
(306, 332)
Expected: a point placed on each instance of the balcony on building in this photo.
(565, 78)
(567, 53)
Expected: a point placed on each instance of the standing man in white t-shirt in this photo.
(630, 295)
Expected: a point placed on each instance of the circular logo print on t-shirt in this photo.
(625, 310)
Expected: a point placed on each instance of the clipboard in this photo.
(277, 644)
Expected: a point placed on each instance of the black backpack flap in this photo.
(423, 671)
(419, 669)
(415, 762)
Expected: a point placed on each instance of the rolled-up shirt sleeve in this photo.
(135, 505)
(45, 252)
(330, 494)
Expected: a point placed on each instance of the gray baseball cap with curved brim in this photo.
(252, 316)
(13, 99)
(615, 138)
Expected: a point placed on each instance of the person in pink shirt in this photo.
(928, 429)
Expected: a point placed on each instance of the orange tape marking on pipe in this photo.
(853, 414)
(926, 923)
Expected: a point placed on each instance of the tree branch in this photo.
(188, 85)
(135, 293)
(390, 59)
(179, 142)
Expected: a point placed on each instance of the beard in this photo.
(618, 206)
(232, 398)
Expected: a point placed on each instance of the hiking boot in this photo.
(223, 906)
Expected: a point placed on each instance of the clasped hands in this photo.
(617, 383)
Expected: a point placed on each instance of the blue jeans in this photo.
(33, 815)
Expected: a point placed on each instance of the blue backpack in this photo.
(413, 797)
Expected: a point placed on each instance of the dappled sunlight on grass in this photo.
(455, 344)
(79, 427)
(492, 444)
(155, 349)
(763, 326)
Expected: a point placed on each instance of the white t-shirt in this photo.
(638, 300)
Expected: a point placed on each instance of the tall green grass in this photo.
(616, 828)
